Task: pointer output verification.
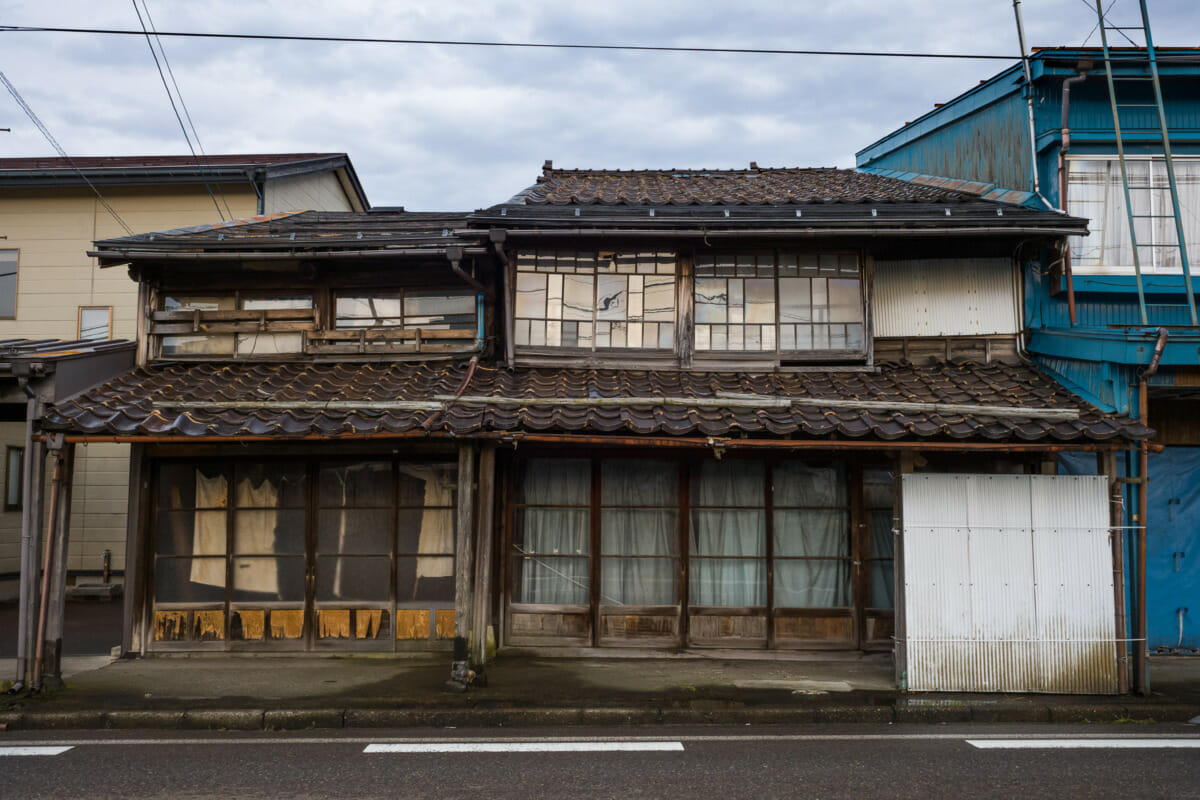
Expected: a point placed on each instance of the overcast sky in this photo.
(458, 128)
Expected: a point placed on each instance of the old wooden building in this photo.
(650, 409)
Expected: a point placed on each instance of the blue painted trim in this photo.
(479, 321)
(1132, 346)
(1127, 284)
(1079, 389)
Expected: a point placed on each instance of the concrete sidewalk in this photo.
(257, 692)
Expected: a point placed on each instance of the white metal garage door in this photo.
(1008, 583)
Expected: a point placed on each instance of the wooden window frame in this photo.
(109, 324)
(8, 456)
(233, 322)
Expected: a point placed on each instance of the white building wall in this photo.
(320, 191)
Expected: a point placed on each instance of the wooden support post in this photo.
(482, 617)
(905, 464)
(52, 639)
(463, 563)
(135, 612)
(1108, 467)
(31, 487)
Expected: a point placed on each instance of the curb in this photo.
(367, 718)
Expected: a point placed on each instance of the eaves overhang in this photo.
(1119, 345)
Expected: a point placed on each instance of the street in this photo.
(696, 762)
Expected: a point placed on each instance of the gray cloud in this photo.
(459, 128)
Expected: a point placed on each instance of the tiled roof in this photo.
(145, 402)
(732, 187)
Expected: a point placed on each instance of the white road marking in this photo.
(526, 747)
(1080, 744)
(34, 751)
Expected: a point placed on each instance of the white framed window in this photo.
(95, 322)
(1094, 191)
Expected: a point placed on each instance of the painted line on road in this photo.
(34, 750)
(1081, 744)
(526, 747)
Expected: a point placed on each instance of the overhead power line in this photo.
(171, 98)
(533, 45)
(58, 149)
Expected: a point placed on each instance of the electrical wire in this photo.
(175, 108)
(58, 149)
(187, 114)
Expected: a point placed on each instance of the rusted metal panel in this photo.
(946, 297)
(1008, 584)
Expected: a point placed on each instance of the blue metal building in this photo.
(1082, 317)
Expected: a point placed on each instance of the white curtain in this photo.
(629, 528)
(1094, 191)
(728, 542)
(555, 543)
(819, 536)
(208, 532)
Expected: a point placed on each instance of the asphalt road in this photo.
(855, 761)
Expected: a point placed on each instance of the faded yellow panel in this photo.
(253, 624)
(208, 626)
(287, 623)
(369, 623)
(412, 623)
(444, 623)
(333, 623)
(170, 626)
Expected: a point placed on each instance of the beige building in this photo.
(51, 210)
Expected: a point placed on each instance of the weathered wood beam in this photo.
(483, 554)
(56, 614)
(463, 564)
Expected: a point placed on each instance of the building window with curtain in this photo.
(639, 532)
(1094, 191)
(811, 536)
(728, 541)
(552, 542)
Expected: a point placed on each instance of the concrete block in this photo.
(229, 720)
(62, 720)
(303, 719)
(144, 720)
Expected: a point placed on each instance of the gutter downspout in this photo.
(455, 256)
(1033, 168)
(1062, 180)
(1141, 667)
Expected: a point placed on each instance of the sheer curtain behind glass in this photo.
(812, 536)
(553, 546)
(638, 533)
(728, 537)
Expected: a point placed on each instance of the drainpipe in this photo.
(1062, 178)
(1141, 671)
(1037, 190)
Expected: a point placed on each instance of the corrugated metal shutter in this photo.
(1008, 584)
(945, 297)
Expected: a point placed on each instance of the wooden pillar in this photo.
(905, 464)
(134, 590)
(463, 564)
(1108, 467)
(52, 639)
(486, 538)
(32, 475)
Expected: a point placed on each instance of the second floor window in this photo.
(8, 284)
(595, 300)
(245, 343)
(424, 309)
(778, 302)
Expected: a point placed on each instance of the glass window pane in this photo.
(727, 582)
(426, 531)
(638, 582)
(13, 479)
(265, 579)
(269, 344)
(812, 584)
(8, 283)
(577, 296)
(845, 303)
(425, 578)
(812, 532)
(555, 581)
(94, 323)
(189, 580)
(279, 301)
(352, 530)
(428, 485)
(733, 482)
(794, 300)
(268, 531)
(799, 484)
(271, 484)
(760, 301)
(198, 533)
(215, 344)
(364, 484)
(440, 310)
(711, 300)
(199, 303)
(638, 532)
(188, 486)
(557, 481)
(659, 299)
(640, 482)
(354, 578)
(611, 297)
(553, 531)
(531, 296)
(368, 310)
(883, 584)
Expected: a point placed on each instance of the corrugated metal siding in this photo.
(990, 145)
(945, 297)
(1008, 584)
